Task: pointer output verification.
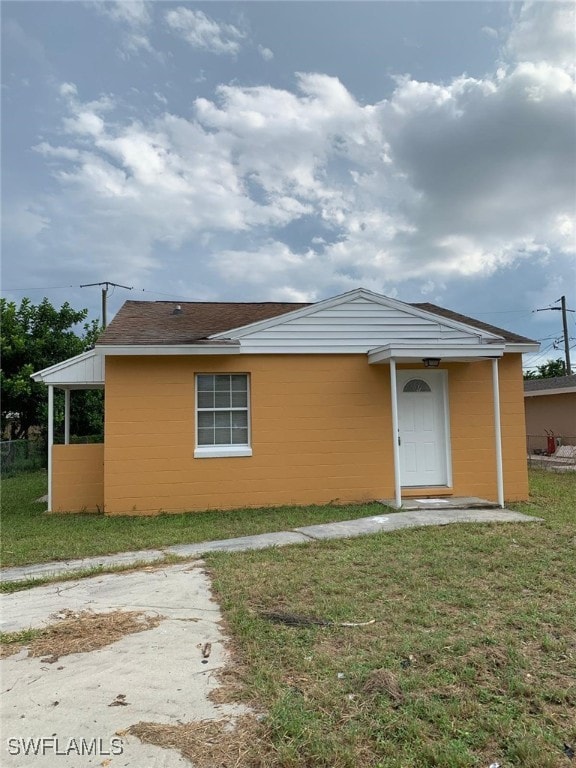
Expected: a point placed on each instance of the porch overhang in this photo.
(450, 353)
(395, 353)
(85, 371)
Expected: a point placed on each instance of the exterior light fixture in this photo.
(431, 362)
(177, 310)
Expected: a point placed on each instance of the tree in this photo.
(548, 370)
(35, 337)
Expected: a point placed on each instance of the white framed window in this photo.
(222, 415)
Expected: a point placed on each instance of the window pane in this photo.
(206, 420)
(222, 419)
(222, 400)
(239, 383)
(239, 419)
(205, 399)
(239, 399)
(222, 436)
(239, 437)
(222, 383)
(217, 395)
(416, 385)
(205, 436)
(205, 383)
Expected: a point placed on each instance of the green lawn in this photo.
(29, 535)
(471, 661)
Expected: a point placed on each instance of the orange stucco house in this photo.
(359, 397)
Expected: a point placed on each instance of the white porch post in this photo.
(50, 442)
(497, 432)
(66, 416)
(395, 435)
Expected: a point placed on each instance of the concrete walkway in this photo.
(345, 529)
(92, 697)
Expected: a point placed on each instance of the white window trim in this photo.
(222, 451)
(219, 451)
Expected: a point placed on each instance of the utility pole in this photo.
(562, 308)
(566, 339)
(105, 289)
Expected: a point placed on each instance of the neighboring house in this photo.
(359, 397)
(550, 406)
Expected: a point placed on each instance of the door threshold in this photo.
(426, 490)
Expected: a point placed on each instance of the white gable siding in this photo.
(355, 326)
(83, 371)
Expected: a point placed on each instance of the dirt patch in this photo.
(81, 632)
(208, 743)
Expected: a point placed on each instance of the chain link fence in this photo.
(550, 451)
(22, 456)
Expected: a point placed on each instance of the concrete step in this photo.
(442, 502)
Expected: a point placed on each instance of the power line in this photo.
(66, 287)
(49, 288)
(159, 293)
(504, 311)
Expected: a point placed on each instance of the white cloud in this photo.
(544, 31)
(68, 90)
(490, 32)
(21, 221)
(132, 12)
(134, 17)
(201, 31)
(306, 192)
(266, 53)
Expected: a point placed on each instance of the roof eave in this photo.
(108, 350)
(554, 391)
(522, 347)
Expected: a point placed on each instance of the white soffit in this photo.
(85, 371)
(357, 321)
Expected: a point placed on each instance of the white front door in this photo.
(422, 428)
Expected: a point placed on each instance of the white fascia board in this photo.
(376, 298)
(523, 348)
(312, 349)
(446, 352)
(167, 349)
(555, 391)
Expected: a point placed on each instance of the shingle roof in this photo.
(554, 382)
(157, 322)
(513, 338)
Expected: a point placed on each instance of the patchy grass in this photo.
(471, 661)
(29, 535)
(13, 642)
(76, 632)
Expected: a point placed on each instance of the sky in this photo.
(292, 151)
